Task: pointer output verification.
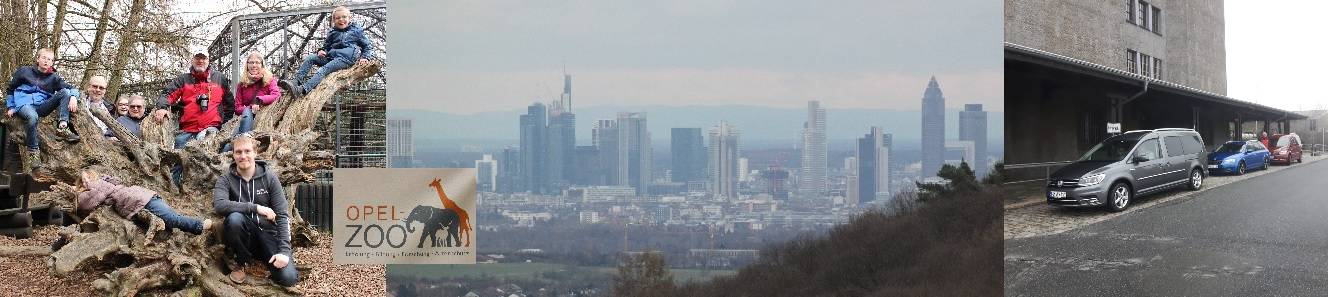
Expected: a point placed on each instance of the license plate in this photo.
(1056, 194)
(1212, 166)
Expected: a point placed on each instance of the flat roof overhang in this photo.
(1034, 56)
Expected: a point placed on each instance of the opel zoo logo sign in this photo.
(403, 216)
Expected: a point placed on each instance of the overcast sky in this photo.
(1277, 53)
(471, 56)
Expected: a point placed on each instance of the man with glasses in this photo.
(134, 118)
(96, 99)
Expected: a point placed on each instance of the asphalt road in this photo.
(1264, 236)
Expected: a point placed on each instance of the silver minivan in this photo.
(1130, 165)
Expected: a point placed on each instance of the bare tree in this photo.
(94, 58)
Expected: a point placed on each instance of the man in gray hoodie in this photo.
(257, 226)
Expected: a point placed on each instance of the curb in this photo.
(1030, 201)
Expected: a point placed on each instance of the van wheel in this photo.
(1196, 180)
(1120, 197)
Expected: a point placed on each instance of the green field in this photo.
(531, 271)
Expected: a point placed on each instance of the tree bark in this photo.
(57, 26)
(127, 39)
(40, 17)
(94, 58)
(149, 257)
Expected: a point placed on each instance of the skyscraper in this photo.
(509, 171)
(604, 136)
(400, 147)
(851, 181)
(486, 173)
(566, 97)
(534, 148)
(561, 147)
(634, 152)
(688, 154)
(812, 178)
(587, 166)
(973, 127)
(933, 129)
(873, 176)
(724, 160)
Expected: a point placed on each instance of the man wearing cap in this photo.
(203, 97)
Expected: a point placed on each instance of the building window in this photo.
(1130, 11)
(1131, 61)
(1145, 66)
(1143, 14)
(1157, 68)
(1157, 20)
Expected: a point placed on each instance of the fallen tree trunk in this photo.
(145, 256)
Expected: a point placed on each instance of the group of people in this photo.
(249, 197)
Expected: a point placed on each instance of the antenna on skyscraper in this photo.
(567, 88)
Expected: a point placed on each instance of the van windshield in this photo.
(1110, 151)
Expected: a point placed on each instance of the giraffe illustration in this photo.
(449, 204)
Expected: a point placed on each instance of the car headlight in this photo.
(1092, 179)
(1229, 161)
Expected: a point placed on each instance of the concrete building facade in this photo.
(1075, 68)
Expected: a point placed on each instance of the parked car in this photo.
(1236, 157)
(1129, 165)
(1285, 148)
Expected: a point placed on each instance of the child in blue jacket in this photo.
(36, 91)
(344, 47)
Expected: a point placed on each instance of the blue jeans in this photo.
(328, 64)
(246, 241)
(33, 113)
(246, 125)
(246, 121)
(173, 220)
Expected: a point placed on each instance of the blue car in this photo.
(1235, 157)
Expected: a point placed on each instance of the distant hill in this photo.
(947, 247)
(759, 125)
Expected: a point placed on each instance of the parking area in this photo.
(1032, 216)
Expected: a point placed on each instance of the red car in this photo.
(1285, 148)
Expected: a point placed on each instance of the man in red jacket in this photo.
(203, 98)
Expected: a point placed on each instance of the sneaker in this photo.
(64, 132)
(237, 275)
(31, 161)
(207, 225)
(60, 242)
(292, 87)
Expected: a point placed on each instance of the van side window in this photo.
(1193, 145)
(1174, 146)
(1149, 150)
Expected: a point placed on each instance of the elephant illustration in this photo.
(434, 219)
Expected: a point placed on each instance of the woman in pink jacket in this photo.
(256, 89)
(97, 189)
